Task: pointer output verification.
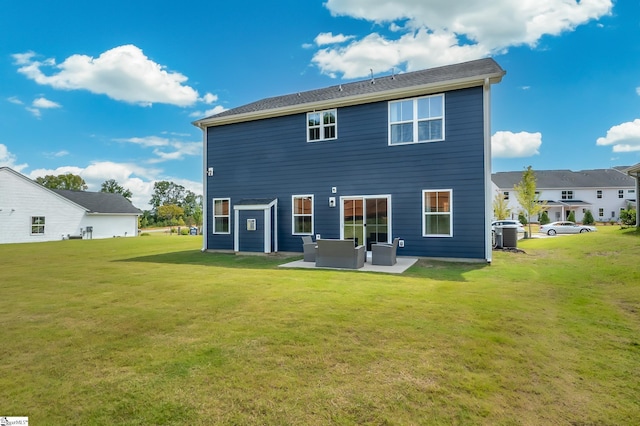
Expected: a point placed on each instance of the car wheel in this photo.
(551, 232)
(583, 231)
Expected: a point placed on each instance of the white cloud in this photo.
(209, 98)
(207, 113)
(624, 137)
(139, 180)
(8, 159)
(441, 32)
(328, 38)
(15, 100)
(166, 149)
(638, 90)
(123, 73)
(515, 145)
(45, 103)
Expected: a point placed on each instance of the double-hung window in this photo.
(37, 225)
(437, 212)
(567, 195)
(416, 120)
(599, 193)
(620, 193)
(302, 215)
(221, 215)
(321, 125)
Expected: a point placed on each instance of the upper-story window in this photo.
(506, 195)
(416, 120)
(567, 195)
(599, 193)
(620, 193)
(321, 125)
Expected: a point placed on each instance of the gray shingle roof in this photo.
(99, 202)
(433, 76)
(567, 179)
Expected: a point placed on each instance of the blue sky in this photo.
(108, 90)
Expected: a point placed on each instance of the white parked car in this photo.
(565, 227)
(507, 222)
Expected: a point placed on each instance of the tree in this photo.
(64, 181)
(588, 218)
(500, 207)
(165, 192)
(113, 187)
(171, 213)
(572, 216)
(527, 196)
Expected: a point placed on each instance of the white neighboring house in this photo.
(605, 192)
(634, 172)
(29, 212)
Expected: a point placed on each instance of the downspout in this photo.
(205, 197)
(486, 99)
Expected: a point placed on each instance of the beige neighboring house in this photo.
(606, 192)
(29, 212)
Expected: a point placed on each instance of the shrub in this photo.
(544, 218)
(588, 218)
(522, 218)
(184, 231)
(628, 217)
(572, 216)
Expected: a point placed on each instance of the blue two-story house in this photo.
(406, 155)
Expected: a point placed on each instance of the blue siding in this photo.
(271, 158)
(252, 241)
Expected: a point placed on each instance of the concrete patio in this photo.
(403, 263)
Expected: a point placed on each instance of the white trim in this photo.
(404, 92)
(450, 212)
(488, 198)
(213, 215)
(364, 198)
(415, 120)
(266, 208)
(323, 126)
(205, 197)
(293, 216)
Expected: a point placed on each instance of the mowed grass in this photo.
(152, 331)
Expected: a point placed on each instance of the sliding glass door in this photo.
(366, 219)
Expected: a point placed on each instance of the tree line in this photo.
(171, 204)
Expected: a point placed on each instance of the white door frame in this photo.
(364, 198)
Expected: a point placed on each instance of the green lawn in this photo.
(150, 330)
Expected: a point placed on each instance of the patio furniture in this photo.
(309, 249)
(340, 254)
(384, 253)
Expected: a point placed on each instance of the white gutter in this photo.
(351, 100)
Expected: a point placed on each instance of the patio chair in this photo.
(384, 253)
(309, 249)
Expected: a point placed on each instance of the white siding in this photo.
(21, 199)
(109, 226)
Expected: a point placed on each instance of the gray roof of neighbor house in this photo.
(462, 75)
(567, 179)
(99, 202)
